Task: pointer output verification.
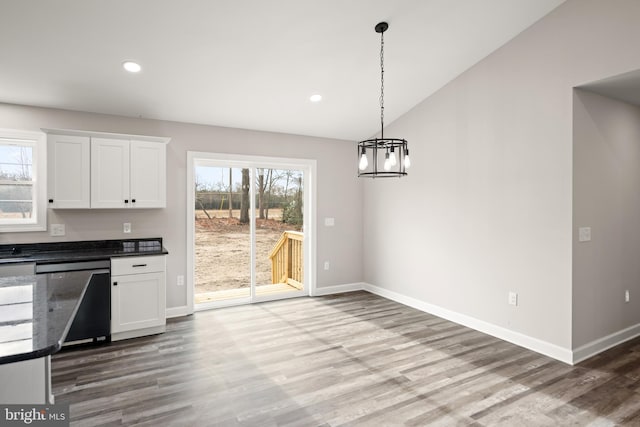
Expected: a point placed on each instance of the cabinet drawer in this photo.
(137, 265)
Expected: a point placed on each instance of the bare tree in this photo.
(230, 193)
(244, 201)
(288, 174)
(298, 207)
(199, 187)
(25, 175)
(273, 177)
(261, 188)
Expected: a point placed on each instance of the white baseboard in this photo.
(554, 351)
(605, 343)
(177, 311)
(338, 289)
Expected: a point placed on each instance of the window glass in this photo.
(22, 181)
(16, 181)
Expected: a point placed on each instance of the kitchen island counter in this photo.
(36, 312)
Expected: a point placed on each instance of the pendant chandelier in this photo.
(383, 157)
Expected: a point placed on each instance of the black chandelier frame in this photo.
(383, 146)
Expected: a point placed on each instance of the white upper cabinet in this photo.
(109, 173)
(148, 179)
(68, 175)
(106, 171)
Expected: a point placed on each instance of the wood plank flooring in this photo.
(344, 360)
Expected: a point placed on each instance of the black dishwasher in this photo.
(93, 318)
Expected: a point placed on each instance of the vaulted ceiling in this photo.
(249, 64)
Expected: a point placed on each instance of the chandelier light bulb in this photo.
(387, 162)
(364, 162)
(392, 157)
(407, 159)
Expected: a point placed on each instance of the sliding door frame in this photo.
(307, 166)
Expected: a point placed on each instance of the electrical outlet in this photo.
(326, 265)
(126, 227)
(180, 280)
(513, 298)
(626, 296)
(57, 230)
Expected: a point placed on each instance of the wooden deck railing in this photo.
(287, 259)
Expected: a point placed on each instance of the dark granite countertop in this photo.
(89, 250)
(36, 312)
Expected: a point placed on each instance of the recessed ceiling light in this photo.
(315, 98)
(132, 67)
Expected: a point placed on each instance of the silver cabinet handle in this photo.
(139, 265)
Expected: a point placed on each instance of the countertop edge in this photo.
(47, 351)
(82, 257)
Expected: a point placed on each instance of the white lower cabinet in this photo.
(138, 296)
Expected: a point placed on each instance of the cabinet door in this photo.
(109, 173)
(68, 176)
(137, 301)
(148, 175)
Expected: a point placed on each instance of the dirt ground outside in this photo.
(222, 245)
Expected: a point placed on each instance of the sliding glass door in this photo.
(279, 235)
(222, 240)
(248, 230)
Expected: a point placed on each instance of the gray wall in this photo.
(339, 190)
(606, 182)
(487, 207)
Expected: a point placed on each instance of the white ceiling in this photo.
(248, 63)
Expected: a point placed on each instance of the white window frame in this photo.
(36, 140)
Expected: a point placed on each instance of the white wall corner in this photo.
(543, 347)
(338, 289)
(177, 311)
(605, 343)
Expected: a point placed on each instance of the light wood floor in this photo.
(351, 359)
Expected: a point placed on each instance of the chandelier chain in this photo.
(382, 83)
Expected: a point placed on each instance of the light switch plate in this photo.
(584, 234)
(329, 222)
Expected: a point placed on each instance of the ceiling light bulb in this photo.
(315, 98)
(132, 67)
(364, 162)
(392, 157)
(407, 159)
(387, 162)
